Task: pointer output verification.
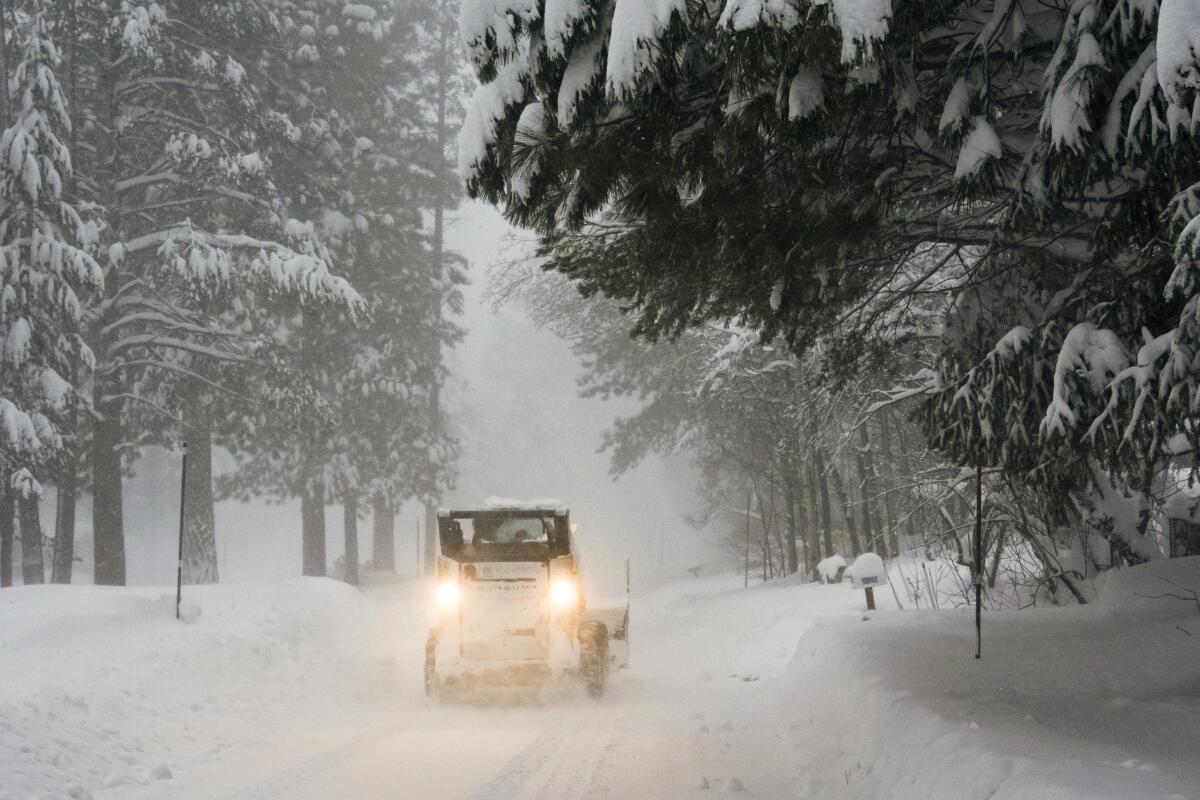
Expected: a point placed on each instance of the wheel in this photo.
(593, 656)
(432, 682)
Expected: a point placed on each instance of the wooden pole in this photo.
(182, 508)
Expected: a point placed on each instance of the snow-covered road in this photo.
(311, 690)
(695, 714)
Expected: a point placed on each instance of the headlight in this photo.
(447, 595)
(564, 593)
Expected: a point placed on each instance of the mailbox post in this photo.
(866, 573)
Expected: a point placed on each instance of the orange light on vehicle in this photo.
(564, 593)
(447, 595)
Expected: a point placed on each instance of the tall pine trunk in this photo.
(839, 488)
(794, 509)
(106, 159)
(7, 530)
(64, 519)
(199, 519)
(63, 566)
(889, 502)
(108, 515)
(910, 523)
(33, 568)
(383, 530)
(821, 479)
(814, 520)
(312, 528)
(442, 134)
(350, 533)
(872, 530)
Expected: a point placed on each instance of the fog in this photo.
(525, 433)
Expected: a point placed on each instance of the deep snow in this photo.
(311, 689)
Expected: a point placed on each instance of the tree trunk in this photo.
(792, 505)
(768, 569)
(350, 533)
(814, 521)
(108, 517)
(822, 482)
(839, 488)
(910, 524)
(383, 528)
(6, 533)
(312, 528)
(64, 520)
(444, 69)
(871, 527)
(33, 569)
(199, 519)
(889, 502)
(867, 529)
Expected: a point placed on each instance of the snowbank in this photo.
(104, 691)
(1097, 701)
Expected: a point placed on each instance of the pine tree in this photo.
(48, 272)
(366, 176)
(783, 163)
(193, 220)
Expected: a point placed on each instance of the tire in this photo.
(433, 683)
(593, 657)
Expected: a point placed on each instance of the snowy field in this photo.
(311, 689)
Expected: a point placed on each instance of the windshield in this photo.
(513, 530)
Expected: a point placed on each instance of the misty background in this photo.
(526, 434)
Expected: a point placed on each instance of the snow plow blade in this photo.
(614, 617)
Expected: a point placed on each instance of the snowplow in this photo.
(511, 610)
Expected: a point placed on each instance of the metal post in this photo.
(182, 508)
(870, 599)
(978, 560)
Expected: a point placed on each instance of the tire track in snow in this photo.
(559, 765)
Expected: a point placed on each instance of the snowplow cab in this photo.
(510, 603)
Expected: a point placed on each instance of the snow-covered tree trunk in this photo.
(350, 534)
(312, 529)
(199, 525)
(33, 568)
(64, 519)
(383, 529)
(108, 515)
(7, 510)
